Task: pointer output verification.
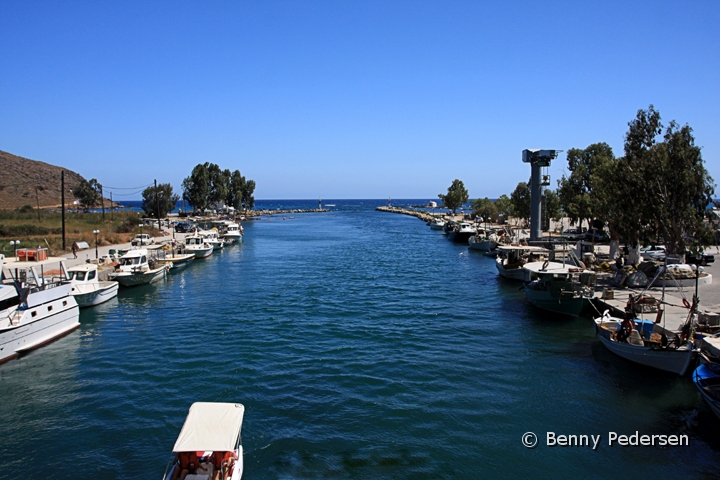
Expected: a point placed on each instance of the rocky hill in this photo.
(20, 177)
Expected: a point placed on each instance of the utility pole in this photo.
(102, 202)
(157, 206)
(37, 200)
(62, 200)
(111, 209)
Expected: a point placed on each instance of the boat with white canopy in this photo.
(209, 444)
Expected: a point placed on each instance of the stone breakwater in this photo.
(424, 216)
(263, 213)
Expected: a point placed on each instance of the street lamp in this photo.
(96, 232)
(15, 244)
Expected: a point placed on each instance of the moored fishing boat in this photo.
(35, 304)
(559, 287)
(436, 223)
(197, 245)
(646, 342)
(87, 288)
(511, 258)
(233, 231)
(461, 232)
(136, 268)
(707, 381)
(484, 241)
(211, 236)
(209, 445)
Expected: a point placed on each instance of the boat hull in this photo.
(483, 246)
(510, 273)
(95, 294)
(127, 279)
(674, 361)
(701, 375)
(30, 333)
(564, 306)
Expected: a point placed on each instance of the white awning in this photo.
(211, 426)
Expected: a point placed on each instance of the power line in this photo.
(129, 188)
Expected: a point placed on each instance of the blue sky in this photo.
(347, 99)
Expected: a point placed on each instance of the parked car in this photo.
(184, 227)
(699, 258)
(575, 233)
(597, 236)
(142, 239)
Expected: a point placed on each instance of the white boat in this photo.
(511, 258)
(197, 245)
(437, 223)
(233, 231)
(681, 276)
(648, 343)
(87, 288)
(35, 305)
(558, 287)
(483, 241)
(136, 268)
(211, 236)
(209, 445)
(461, 232)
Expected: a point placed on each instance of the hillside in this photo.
(20, 176)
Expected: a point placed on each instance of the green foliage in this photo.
(520, 202)
(576, 191)
(235, 190)
(503, 205)
(208, 185)
(660, 188)
(552, 208)
(196, 187)
(127, 225)
(485, 208)
(159, 201)
(248, 200)
(456, 196)
(88, 193)
(22, 231)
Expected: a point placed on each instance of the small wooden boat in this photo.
(136, 268)
(558, 287)
(707, 381)
(209, 444)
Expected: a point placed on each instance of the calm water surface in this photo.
(363, 345)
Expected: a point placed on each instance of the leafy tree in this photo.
(456, 196)
(576, 191)
(196, 187)
(159, 201)
(503, 205)
(659, 189)
(520, 202)
(219, 183)
(88, 193)
(235, 189)
(552, 208)
(485, 208)
(248, 201)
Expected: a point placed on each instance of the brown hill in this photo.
(20, 177)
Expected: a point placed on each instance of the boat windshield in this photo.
(130, 261)
(79, 276)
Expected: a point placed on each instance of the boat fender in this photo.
(545, 265)
(686, 303)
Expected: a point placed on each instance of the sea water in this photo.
(363, 345)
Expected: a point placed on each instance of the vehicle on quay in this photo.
(36, 306)
(184, 227)
(142, 239)
(87, 288)
(137, 268)
(209, 444)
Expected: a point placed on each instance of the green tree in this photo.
(485, 208)
(219, 184)
(235, 189)
(520, 202)
(503, 205)
(196, 187)
(88, 193)
(159, 201)
(660, 189)
(456, 196)
(552, 208)
(576, 191)
(248, 200)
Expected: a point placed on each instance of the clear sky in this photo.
(347, 99)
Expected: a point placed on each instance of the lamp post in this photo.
(15, 244)
(96, 232)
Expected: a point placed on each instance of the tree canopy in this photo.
(208, 186)
(485, 208)
(520, 202)
(456, 196)
(88, 192)
(159, 201)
